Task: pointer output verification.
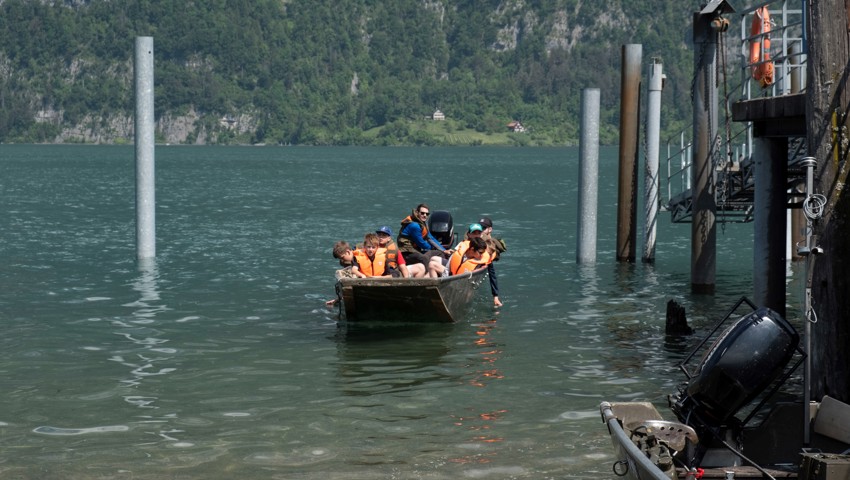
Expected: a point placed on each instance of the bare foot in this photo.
(497, 302)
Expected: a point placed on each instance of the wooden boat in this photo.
(385, 299)
(745, 365)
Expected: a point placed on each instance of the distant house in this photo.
(438, 115)
(227, 121)
(516, 127)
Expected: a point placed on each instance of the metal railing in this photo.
(733, 168)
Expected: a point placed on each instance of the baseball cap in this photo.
(385, 229)
(486, 222)
(475, 227)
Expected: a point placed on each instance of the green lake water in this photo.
(219, 360)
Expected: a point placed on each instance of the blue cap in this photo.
(385, 229)
(476, 227)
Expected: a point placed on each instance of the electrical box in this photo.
(825, 466)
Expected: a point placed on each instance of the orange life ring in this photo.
(760, 47)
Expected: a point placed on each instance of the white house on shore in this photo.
(438, 115)
(516, 127)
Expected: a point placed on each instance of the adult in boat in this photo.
(495, 247)
(414, 241)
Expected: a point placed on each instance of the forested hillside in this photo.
(346, 72)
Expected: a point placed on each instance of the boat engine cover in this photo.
(441, 226)
(741, 363)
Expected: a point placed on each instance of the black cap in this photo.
(486, 222)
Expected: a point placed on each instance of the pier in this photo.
(774, 134)
(743, 164)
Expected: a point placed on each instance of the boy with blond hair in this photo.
(372, 260)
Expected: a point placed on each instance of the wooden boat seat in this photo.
(674, 434)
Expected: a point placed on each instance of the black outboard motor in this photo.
(441, 226)
(742, 362)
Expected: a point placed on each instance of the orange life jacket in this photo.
(760, 47)
(371, 267)
(391, 252)
(463, 246)
(459, 264)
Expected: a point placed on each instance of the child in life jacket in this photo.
(469, 255)
(372, 260)
(472, 258)
(396, 263)
(439, 266)
(342, 251)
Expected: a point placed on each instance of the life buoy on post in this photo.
(760, 48)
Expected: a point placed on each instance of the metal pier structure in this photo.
(756, 174)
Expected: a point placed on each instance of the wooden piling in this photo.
(629, 119)
(828, 101)
(703, 226)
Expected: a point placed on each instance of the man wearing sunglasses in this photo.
(414, 241)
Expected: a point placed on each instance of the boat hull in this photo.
(430, 300)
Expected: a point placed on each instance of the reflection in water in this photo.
(139, 331)
(589, 286)
(144, 314)
(483, 424)
(385, 358)
(625, 276)
(489, 354)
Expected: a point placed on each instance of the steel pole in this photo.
(809, 163)
(588, 180)
(653, 142)
(144, 133)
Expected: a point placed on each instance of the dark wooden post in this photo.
(703, 227)
(629, 136)
(828, 67)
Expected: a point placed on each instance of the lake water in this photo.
(219, 360)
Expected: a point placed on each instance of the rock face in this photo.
(279, 84)
(188, 128)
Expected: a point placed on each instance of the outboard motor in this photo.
(441, 226)
(744, 360)
(739, 366)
